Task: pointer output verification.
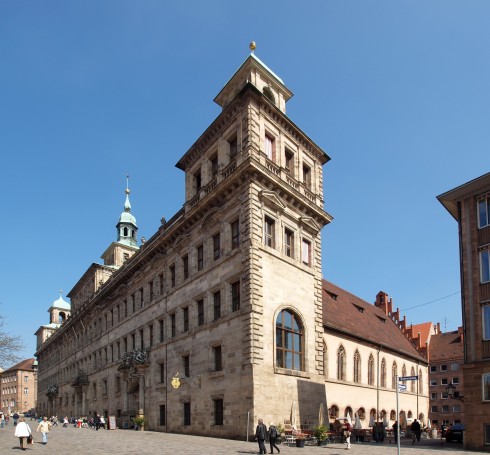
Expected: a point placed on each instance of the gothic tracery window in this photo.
(357, 367)
(341, 363)
(371, 370)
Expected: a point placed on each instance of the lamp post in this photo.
(452, 392)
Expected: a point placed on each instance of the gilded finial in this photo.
(252, 46)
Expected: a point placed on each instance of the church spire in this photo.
(126, 226)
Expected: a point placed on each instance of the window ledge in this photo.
(288, 372)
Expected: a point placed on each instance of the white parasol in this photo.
(371, 420)
(357, 423)
(349, 418)
(293, 415)
(321, 415)
(428, 424)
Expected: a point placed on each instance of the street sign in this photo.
(408, 378)
(402, 387)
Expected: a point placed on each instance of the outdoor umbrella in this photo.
(321, 415)
(371, 421)
(428, 424)
(293, 415)
(357, 423)
(349, 418)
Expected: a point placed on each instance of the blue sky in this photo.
(396, 92)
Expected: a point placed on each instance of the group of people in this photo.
(24, 433)
(261, 435)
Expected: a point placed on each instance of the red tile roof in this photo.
(425, 332)
(446, 346)
(344, 312)
(25, 365)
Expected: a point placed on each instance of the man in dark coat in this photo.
(260, 434)
(415, 427)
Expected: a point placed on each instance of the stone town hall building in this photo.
(217, 319)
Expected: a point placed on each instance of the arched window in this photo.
(371, 370)
(341, 363)
(393, 415)
(268, 93)
(125, 232)
(409, 415)
(289, 341)
(348, 412)
(325, 360)
(421, 382)
(412, 383)
(394, 374)
(383, 372)
(334, 411)
(361, 412)
(357, 366)
(404, 373)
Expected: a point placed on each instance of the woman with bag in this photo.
(22, 431)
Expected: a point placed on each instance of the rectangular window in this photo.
(433, 409)
(487, 434)
(200, 312)
(486, 321)
(186, 365)
(142, 340)
(444, 395)
(456, 408)
(235, 296)
(306, 252)
(185, 266)
(162, 415)
(484, 212)
(200, 257)
(125, 303)
(288, 242)
(160, 281)
(185, 313)
(444, 381)
(455, 380)
(161, 371)
(270, 147)
(443, 367)
(152, 296)
(198, 181)
(269, 231)
(289, 161)
(216, 246)
(484, 266)
(433, 396)
(486, 386)
(142, 297)
(161, 330)
(455, 366)
(172, 325)
(235, 235)
(306, 176)
(187, 413)
(433, 382)
(172, 275)
(218, 411)
(151, 334)
(233, 144)
(217, 305)
(218, 361)
(214, 165)
(133, 341)
(433, 368)
(133, 300)
(445, 408)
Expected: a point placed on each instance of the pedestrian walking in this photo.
(260, 434)
(44, 426)
(273, 435)
(22, 431)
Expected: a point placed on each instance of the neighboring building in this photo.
(469, 204)
(18, 387)
(365, 350)
(223, 309)
(59, 312)
(446, 367)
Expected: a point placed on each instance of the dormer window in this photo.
(268, 94)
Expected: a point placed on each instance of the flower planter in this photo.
(300, 442)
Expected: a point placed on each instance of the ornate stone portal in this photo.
(133, 366)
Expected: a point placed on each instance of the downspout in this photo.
(377, 383)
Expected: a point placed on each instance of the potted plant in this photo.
(280, 432)
(300, 439)
(321, 434)
(140, 422)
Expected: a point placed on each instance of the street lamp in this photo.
(452, 392)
